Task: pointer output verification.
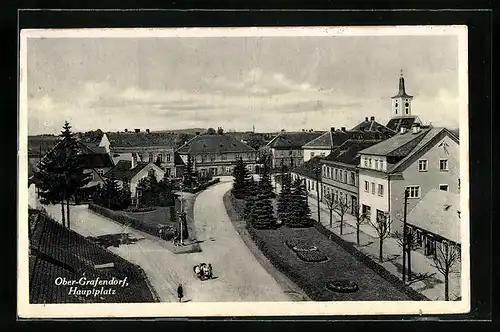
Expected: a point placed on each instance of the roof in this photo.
(372, 126)
(307, 169)
(293, 140)
(94, 147)
(438, 213)
(214, 144)
(123, 170)
(51, 257)
(398, 145)
(348, 152)
(402, 92)
(142, 139)
(397, 122)
(178, 160)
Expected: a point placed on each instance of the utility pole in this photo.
(181, 219)
(317, 171)
(404, 235)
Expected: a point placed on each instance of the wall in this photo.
(118, 154)
(374, 201)
(317, 152)
(223, 163)
(426, 180)
(287, 155)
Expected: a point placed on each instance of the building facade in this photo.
(149, 147)
(216, 154)
(286, 148)
(419, 160)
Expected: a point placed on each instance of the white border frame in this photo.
(27, 310)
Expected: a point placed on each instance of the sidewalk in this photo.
(432, 288)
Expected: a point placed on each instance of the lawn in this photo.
(313, 277)
(159, 216)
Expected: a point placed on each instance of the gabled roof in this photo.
(94, 147)
(293, 140)
(398, 122)
(438, 213)
(406, 146)
(347, 153)
(214, 144)
(178, 160)
(307, 169)
(142, 139)
(123, 170)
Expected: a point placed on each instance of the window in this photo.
(367, 186)
(168, 157)
(228, 169)
(100, 172)
(290, 153)
(313, 188)
(345, 176)
(223, 156)
(159, 157)
(308, 185)
(443, 187)
(336, 174)
(413, 191)
(380, 190)
(366, 161)
(212, 157)
(366, 211)
(168, 172)
(203, 158)
(422, 165)
(443, 164)
(382, 165)
(370, 162)
(376, 164)
(353, 178)
(373, 188)
(312, 154)
(380, 215)
(328, 171)
(336, 196)
(151, 157)
(237, 156)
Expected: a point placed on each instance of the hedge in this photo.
(395, 281)
(152, 229)
(202, 186)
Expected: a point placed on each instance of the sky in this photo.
(272, 83)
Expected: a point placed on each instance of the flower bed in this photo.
(167, 233)
(342, 286)
(202, 186)
(306, 251)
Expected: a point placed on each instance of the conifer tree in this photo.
(111, 195)
(241, 180)
(284, 197)
(189, 173)
(299, 211)
(125, 195)
(265, 183)
(262, 215)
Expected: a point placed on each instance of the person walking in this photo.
(180, 293)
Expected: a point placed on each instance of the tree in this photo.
(330, 204)
(241, 180)
(359, 219)
(125, 195)
(446, 258)
(382, 226)
(149, 188)
(262, 214)
(165, 194)
(111, 194)
(265, 183)
(285, 196)
(188, 178)
(341, 208)
(61, 175)
(300, 213)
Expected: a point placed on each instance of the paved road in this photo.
(240, 277)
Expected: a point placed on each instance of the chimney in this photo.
(366, 119)
(402, 130)
(343, 129)
(416, 128)
(126, 130)
(147, 130)
(137, 130)
(372, 118)
(332, 128)
(134, 160)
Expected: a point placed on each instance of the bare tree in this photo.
(360, 219)
(446, 258)
(330, 204)
(411, 243)
(382, 226)
(341, 208)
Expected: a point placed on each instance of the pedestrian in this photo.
(180, 293)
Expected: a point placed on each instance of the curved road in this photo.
(239, 276)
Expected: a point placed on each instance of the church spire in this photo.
(402, 92)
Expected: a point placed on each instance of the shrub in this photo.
(202, 186)
(342, 286)
(311, 255)
(141, 209)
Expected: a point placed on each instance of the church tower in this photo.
(401, 103)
